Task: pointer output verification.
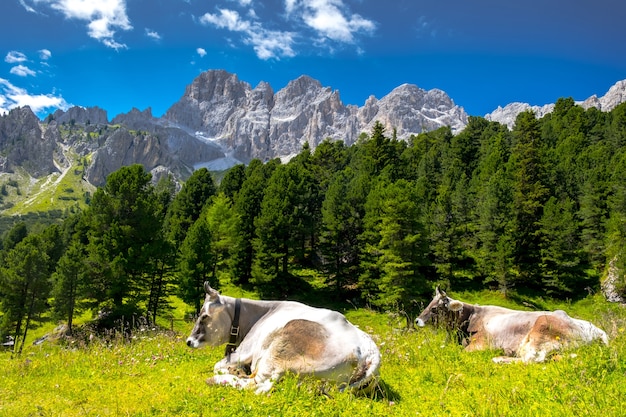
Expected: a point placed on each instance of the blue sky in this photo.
(120, 54)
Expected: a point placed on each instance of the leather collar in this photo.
(234, 329)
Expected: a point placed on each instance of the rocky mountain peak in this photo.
(615, 96)
(507, 114)
(408, 110)
(220, 121)
(24, 144)
(136, 119)
(216, 85)
(81, 115)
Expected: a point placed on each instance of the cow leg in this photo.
(505, 359)
(232, 380)
(476, 341)
(265, 374)
(549, 333)
(235, 364)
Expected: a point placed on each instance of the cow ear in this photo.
(215, 306)
(455, 305)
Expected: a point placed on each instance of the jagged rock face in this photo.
(82, 115)
(304, 111)
(162, 152)
(121, 149)
(615, 96)
(412, 110)
(136, 120)
(256, 123)
(507, 114)
(220, 121)
(209, 102)
(23, 144)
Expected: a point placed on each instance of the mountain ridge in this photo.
(220, 121)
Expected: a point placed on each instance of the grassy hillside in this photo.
(59, 191)
(424, 373)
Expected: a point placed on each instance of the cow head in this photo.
(213, 324)
(441, 306)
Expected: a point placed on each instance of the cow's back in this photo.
(493, 327)
(300, 339)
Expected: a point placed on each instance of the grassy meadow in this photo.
(424, 373)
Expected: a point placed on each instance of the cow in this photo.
(527, 336)
(267, 339)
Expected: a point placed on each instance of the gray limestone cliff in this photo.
(24, 144)
(507, 114)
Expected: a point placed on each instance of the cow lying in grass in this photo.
(266, 339)
(527, 336)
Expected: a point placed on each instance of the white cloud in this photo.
(330, 19)
(267, 44)
(104, 17)
(12, 96)
(153, 34)
(271, 44)
(227, 19)
(27, 7)
(22, 71)
(15, 57)
(201, 52)
(44, 54)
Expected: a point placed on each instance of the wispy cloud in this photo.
(267, 44)
(330, 22)
(12, 96)
(44, 54)
(22, 71)
(201, 52)
(330, 19)
(153, 35)
(15, 57)
(103, 17)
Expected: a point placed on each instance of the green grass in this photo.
(53, 192)
(424, 373)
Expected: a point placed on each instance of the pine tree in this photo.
(196, 262)
(68, 284)
(25, 287)
(342, 223)
(124, 233)
(529, 195)
(247, 207)
(188, 204)
(396, 251)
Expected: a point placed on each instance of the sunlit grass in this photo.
(424, 373)
(53, 192)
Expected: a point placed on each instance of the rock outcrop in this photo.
(258, 123)
(81, 115)
(220, 121)
(507, 114)
(23, 144)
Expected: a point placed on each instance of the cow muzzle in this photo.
(419, 322)
(192, 342)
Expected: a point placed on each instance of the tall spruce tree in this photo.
(529, 195)
(396, 252)
(25, 281)
(124, 232)
(343, 210)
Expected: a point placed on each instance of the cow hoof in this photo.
(504, 359)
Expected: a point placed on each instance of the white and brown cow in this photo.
(528, 336)
(266, 339)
